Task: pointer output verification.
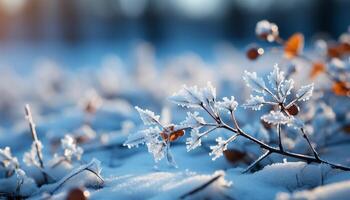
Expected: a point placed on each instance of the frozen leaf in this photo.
(169, 156)
(187, 97)
(294, 45)
(227, 104)
(194, 141)
(276, 77)
(209, 92)
(218, 150)
(255, 102)
(275, 117)
(71, 150)
(148, 117)
(286, 87)
(157, 149)
(254, 52)
(305, 92)
(142, 137)
(256, 83)
(193, 120)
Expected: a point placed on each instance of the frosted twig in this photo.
(29, 117)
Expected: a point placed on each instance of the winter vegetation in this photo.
(269, 123)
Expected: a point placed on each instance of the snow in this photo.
(88, 121)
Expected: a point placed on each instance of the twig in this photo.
(251, 166)
(201, 187)
(29, 117)
(279, 136)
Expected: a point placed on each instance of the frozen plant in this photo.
(276, 93)
(34, 156)
(71, 150)
(8, 163)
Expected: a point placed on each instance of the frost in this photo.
(218, 150)
(296, 123)
(142, 137)
(31, 158)
(255, 102)
(193, 120)
(148, 117)
(188, 97)
(256, 83)
(209, 92)
(227, 104)
(157, 149)
(71, 150)
(305, 92)
(276, 77)
(8, 162)
(286, 87)
(275, 117)
(194, 141)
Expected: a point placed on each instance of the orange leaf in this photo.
(317, 68)
(294, 45)
(341, 88)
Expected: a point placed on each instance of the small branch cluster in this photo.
(277, 93)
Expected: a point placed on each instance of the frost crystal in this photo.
(276, 117)
(148, 117)
(255, 102)
(193, 120)
(209, 92)
(157, 149)
(70, 148)
(143, 136)
(286, 87)
(227, 104)
(31, 158)
(194, 141)
(8, 162)
(256, 83)
(218, 150)
(276, 77)
(188, 97)
(305, 92)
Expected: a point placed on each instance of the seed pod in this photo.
(293, 109)
(254, 52)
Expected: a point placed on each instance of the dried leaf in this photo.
(294, 45)
(317, 69)
(341, 88)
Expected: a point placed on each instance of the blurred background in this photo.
(77, 32)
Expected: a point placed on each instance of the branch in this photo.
(279, 136)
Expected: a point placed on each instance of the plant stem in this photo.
(29, 117)
(279, 136)
(201, 187)
(251, 166)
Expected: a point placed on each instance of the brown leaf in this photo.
(234, 156)
(293, 109)
(317, 69)
(294, 45)
(341, 88)
(339, 50)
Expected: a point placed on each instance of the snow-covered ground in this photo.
(95, 106)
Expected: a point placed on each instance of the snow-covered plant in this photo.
(8, 163)
(70, 148)
(276, 93)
